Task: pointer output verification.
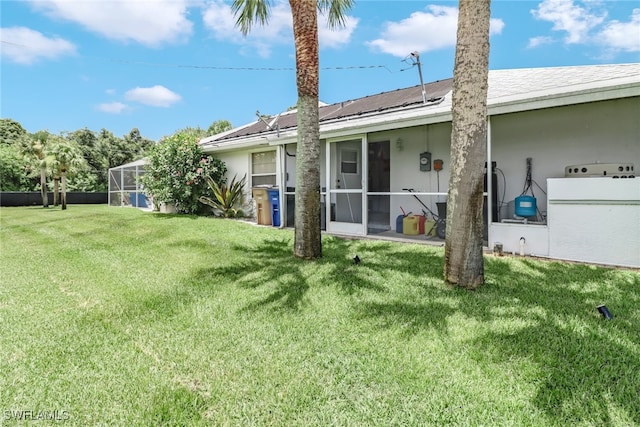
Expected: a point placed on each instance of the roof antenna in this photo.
(270, 125)
(261, 118)
(415, 60)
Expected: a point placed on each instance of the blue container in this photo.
(525, 206)
(274, 198)
(399, 220)
(138, 200)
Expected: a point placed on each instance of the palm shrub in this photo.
(176, 170)
(226, 198)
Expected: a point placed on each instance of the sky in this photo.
(163, 65)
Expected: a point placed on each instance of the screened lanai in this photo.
(125, 186)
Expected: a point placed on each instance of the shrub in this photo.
(176, 170)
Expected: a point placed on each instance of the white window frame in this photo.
(264, 174)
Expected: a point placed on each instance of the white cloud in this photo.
(586, 23)
(539, 41)
(337, 36)
(156, 96)
(623, 36)
(150, 23)
(219, 18)
(424, 31)
(569, 17)
(26, 46)
(113, 107)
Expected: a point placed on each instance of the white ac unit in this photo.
(613, 170)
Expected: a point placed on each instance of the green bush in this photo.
(13, 175)
(176, 170)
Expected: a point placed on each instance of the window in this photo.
(263, 168)
(349, 161)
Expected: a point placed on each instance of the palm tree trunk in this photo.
(56, 191)
(63, 201)
(463, 262)
(307, 240)
(43, 187)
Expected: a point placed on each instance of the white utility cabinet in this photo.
(594, 219)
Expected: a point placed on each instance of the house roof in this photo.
(510, 90)
(385, 101)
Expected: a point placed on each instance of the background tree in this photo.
(67, 159)
(194, 132)
(219, 126)
(10, 131)
(307, 240)
(463, 261)
(35, 150)
(24, 163)
(136, 146)
(13, 175)
(88, 144)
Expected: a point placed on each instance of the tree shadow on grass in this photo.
(545, 313)
(586, 369)
(282, 281)
(411, 317)
(590, 367)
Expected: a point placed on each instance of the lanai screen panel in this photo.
(125, 187)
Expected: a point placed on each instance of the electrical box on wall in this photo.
(425, 161)
(438, 164)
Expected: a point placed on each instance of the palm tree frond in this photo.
(247, 12)
(337, 11)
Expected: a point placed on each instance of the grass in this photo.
(113, 316)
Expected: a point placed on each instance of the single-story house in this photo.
(563, 145)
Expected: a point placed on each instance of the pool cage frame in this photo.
(125, 186)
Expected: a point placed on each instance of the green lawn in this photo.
(113, 316)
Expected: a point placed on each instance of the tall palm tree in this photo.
(463, 262)
(35, 148)
(307, 241)
(66, 158)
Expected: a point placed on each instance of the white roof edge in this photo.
(140, 162)
(590, 91)
(524, 102)
(211, 138)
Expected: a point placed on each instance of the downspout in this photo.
(281, 172)
(490, 188)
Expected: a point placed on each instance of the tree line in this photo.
(42, 161)
(38, 161)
